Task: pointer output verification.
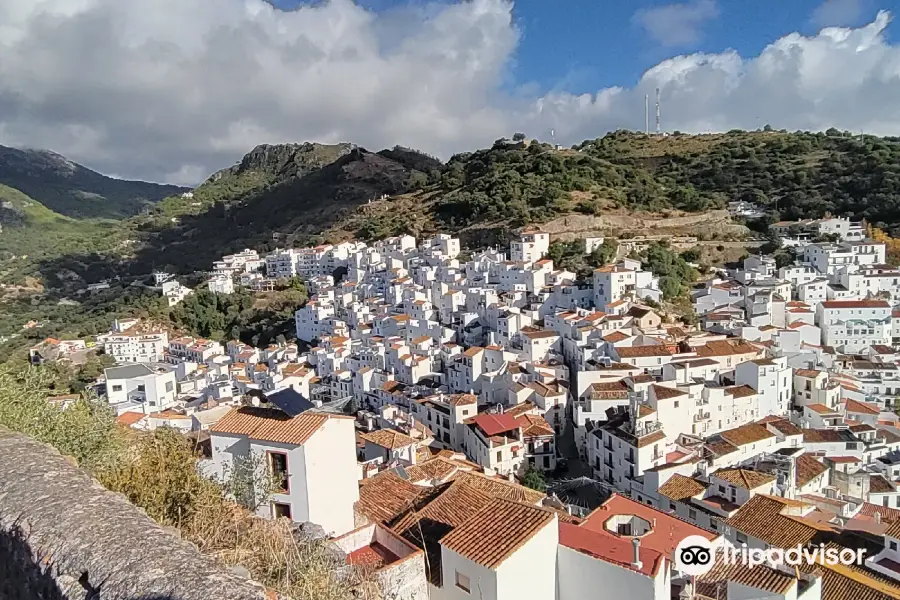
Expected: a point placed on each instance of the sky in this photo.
(173, 90)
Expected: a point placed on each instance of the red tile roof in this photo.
(495, 424)
(856, 304)
(666, 532)
(610, 548)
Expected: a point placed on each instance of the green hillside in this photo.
(33, 234)
(76, 191)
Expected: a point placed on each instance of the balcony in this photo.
(701, 417)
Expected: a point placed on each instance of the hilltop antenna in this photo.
(646, 114)
(657, 112)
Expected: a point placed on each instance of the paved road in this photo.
(568, 448)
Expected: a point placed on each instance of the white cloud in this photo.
(838, 13)
(677, 24)
(173, 89)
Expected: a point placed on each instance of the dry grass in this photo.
(158, 472)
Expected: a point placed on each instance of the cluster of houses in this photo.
(424, 388)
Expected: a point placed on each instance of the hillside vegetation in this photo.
(73, 190)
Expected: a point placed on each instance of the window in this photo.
(624, 529)
(499, 455)
(692, 514)
(741, 538)
(893, 545)
(546, 462)
(170, 386)
(140, 388)
(117, 388)
(278, 466)
(676, 404)
(280, 510)
(713, 524)
(462, 582)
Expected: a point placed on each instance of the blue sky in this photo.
(581, 46)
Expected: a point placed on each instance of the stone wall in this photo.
(65, 537)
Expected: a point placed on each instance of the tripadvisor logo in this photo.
(696, 555)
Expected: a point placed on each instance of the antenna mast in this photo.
(646, 114)
(657, 112)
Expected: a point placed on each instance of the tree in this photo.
(518, 137)
(534, 479)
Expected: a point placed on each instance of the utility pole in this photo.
(658, 131)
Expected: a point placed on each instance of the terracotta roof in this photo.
(492, 424)
(388, 438)
(784, 427)
(500, 488)
(667, 530)
(813, 436)
(651, 438)
(726, 348)
(856, 406)
(608, 390)
(643, 351)
(761, 518)
(270, 425)
(746, 434)
(760, 577)
(740, 391)
(609, 548)
(129, 418)
(496, 531)
(463, 399)
(535, 426)
(451, 507)
(744, 478)
(887, 514)
(680, 488)
(855, 304)
(879, 485)
(533, 335)
(840, 582)
(665, 393)
(385, 496)
(616, 336)
(473, 351)
(807, 469)
(820, 409)
(810, 373)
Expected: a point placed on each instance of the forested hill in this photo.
(296, 194)
(72, 190)
(796, 175)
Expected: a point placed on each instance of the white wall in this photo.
(537, 558)
(331, 473)
(581, 576)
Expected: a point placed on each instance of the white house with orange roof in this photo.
(494, 441)
(311, 454)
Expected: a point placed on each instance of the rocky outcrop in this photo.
(65, 537)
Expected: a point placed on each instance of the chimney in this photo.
(878, 517)
(636, 561)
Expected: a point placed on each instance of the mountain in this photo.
(76, 191)
(621, 184)
(276, 195)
